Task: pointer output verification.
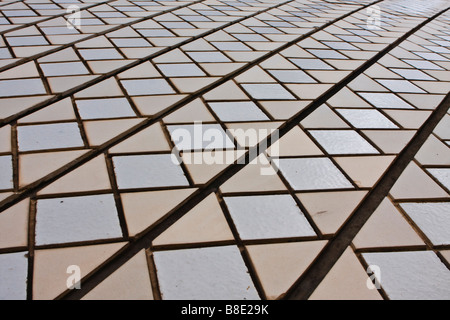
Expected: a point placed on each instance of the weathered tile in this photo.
(13, 276)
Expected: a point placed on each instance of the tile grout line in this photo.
(309, 281)
(59, 96)
(145, 238)
(43, 182)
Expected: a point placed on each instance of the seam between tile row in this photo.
(144, 240)
(26, 25)
(317, 271)
(133, 64)
(118, 27)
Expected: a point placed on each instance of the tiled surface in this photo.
(94, 117)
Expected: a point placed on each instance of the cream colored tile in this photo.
(37, 165)
(151, 105)
(279, 265)
(330, 210)
(386, 228)
(14, 225)
(294, 143)
(93, 175)
(149, 139)
(99, 132)
(347, 280)
(365, 171)
(130, 282)
(51, 267)
(415, 183)
(138, 214)
(390, 141)
(193, 111)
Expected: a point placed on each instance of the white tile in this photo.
(342, 142)
(104, 108)
(412, 275)
(442, 175)
(412, 74)
(49, 136)
(265, 217)
(238, 111)
(400, 86)
(433, 218)
(73, 219)
(13, 276)
(312, 174)
(200, 136)
(215, 273)
(6, 172)
(366, 118)
(144, 171)
(385, 100)
(21, 87)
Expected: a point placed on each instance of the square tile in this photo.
(181, 70)
(268, 91)
(6, 173)
(385, 100)
(63, 69)
(311, 64)
(73, 219)
(312, 174)
(292, 76)
(238, 111)
(342, 142)
(366, 118)
(200, 136)
(104, 108)
(141, 87)
(266, 217)
(13, 276)
(21, 87)
(204, 274)
(433, 218)
(147, 171)
(49, 136)
(412, 74)
(402, 274)
(423, 65)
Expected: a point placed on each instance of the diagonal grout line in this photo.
(94, 35)
(29, 24)
(137, 62)
(317, 271)
(43, 182)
